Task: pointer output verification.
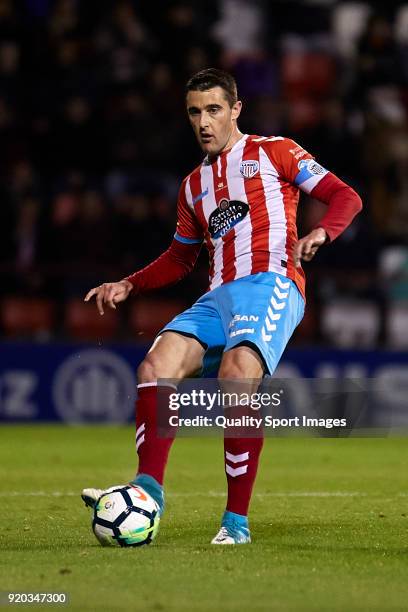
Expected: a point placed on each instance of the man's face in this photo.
(212, 118)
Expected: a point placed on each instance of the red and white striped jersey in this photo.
(244, 204)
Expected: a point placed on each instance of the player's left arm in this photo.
(300, 168)
(343, 205)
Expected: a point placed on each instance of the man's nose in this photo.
(203, 120)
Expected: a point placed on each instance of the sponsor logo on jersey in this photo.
(298, 152)
(249, 168)
(228, 214)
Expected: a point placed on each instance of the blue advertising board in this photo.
(90, 383)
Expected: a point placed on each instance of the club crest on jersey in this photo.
(249, 168)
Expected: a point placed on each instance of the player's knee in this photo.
(154, 367)
(231, 371)
(147, 371)
(242, 364)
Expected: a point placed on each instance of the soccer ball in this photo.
(125, 516)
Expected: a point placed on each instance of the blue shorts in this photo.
(261, 310)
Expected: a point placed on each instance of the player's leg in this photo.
(260, 313)
(177, 353)
(241, 371)
(172, 356)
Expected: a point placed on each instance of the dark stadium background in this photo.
(94, 141)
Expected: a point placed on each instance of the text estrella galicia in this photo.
(228, 214)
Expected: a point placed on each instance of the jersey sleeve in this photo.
(294, 164)
(343, 205)
(173, 265)
(188, 230)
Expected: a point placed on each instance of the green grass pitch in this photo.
(329, 524)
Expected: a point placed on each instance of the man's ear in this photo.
(236, 110)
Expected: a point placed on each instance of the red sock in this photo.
(241, 456)
(154, 435)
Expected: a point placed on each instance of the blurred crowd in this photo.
(94, 140)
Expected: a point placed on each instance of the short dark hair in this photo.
(212, 77)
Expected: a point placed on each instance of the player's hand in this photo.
(110, 294)
(307, 247)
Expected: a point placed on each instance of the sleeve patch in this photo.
(309, 168)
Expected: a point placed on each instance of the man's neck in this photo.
(232, 140)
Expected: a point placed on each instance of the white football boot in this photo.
(91, 496)
(229, 534)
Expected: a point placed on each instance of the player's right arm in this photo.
(110, 294)
(172, 266)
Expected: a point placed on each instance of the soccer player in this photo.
(242, 202)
